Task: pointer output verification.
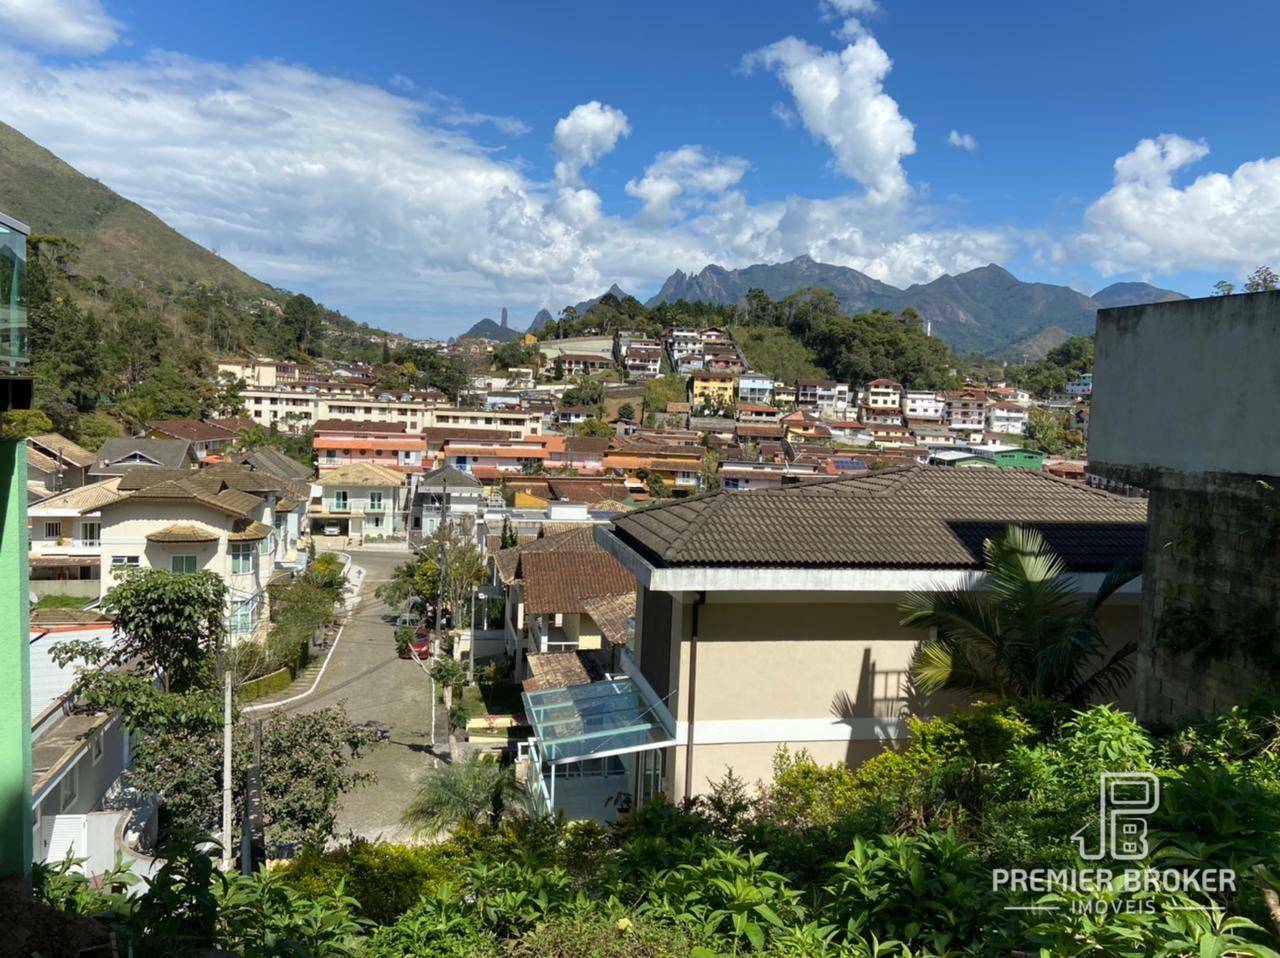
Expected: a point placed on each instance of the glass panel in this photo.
(14, 351)
(595, 719)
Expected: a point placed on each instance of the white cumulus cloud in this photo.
(963, 141)
(589, 132)
(71, 26)
(1146, 222)
(686, 172)
(840, 98)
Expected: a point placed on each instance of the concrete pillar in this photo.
(15, 668)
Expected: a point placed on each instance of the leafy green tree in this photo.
(593, 427)
(448, 672)
(1261, 280)
(21, 423)
(478, 790)
(302, 326)
(509, 537)
(1045, 431)
(171, 622)
(95, 428)
(1021, 634)
(1223, 288)
(584, 392)
(627, 411)
(709, 480)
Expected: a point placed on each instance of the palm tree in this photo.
(479, 790)
(1020, 634)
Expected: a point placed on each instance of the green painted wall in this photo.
(15, 668)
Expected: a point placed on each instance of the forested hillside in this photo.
(807, 333)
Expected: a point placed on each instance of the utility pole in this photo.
(226, 763)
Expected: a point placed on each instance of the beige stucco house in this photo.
(359, 501)
(771, 618)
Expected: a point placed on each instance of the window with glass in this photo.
(130, 562)
(91, 533)
(185, 563)
(14, 350)
(375, 501)
(241, 558)
(52, 530)
(242, 617)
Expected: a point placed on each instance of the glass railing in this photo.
(14, 348)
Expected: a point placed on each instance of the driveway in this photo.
(366, 676)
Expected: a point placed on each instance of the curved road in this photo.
(366, 676)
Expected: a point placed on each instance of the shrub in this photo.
(385, 881)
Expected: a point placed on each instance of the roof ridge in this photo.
(690, 527)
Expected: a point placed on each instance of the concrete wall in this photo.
(1190, 386)
(1184, 402)
(827, 676)
(15, 668)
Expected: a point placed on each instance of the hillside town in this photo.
(855, 598)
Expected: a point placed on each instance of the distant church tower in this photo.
(504, 317)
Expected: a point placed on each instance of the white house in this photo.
(1007, 417)
(923, 404)
(755, 389)
(884, 394)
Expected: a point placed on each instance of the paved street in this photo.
(365, 675)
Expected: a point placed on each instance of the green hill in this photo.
(119, 241)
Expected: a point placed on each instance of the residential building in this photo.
(824, 396)
(65, 540)
(722, 359)
(577, 364)
(1008, 457)
(642, 362)
(739, 475)
(884, 394)
(582, 454)
(359, 501)
(849, 431)
(787, 601)
(550, 581)
(756, 413)
(931, 432)
(206, 438)
(714, 389)
(683, 340)
(55, 464)
(492, 460)
(880, 415)
(755, 389)
(891, 436)
(538, 492)
(1081, 387)
(967, 410)
(516, 423)
(266, 459)
(923, 404)
(1008, 418)
(343, 442)
(225, 519)
(118, 456)
(679, 466)
(573, 415)
(443, 495)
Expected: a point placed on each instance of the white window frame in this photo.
(126, 562)
(173, 561)
(375, 500)
(244, 608)
(53, 529)
(241, 554)
(91, 540)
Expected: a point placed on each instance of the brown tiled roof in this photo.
(557, 670)
(183, 532)
(362, 474)
(610, 613)
(191, 429)
(356, 427)
(560, 581)
(576, 540)
(249, 532)
(60, 445)
(444, 433)
(86, 498)
(919, 516)
(586, 445)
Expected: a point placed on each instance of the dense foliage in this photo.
(1049, 376)
(804, 334)
(892, 858)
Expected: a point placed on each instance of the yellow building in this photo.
(712, 389)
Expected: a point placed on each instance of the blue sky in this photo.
(421, 165)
